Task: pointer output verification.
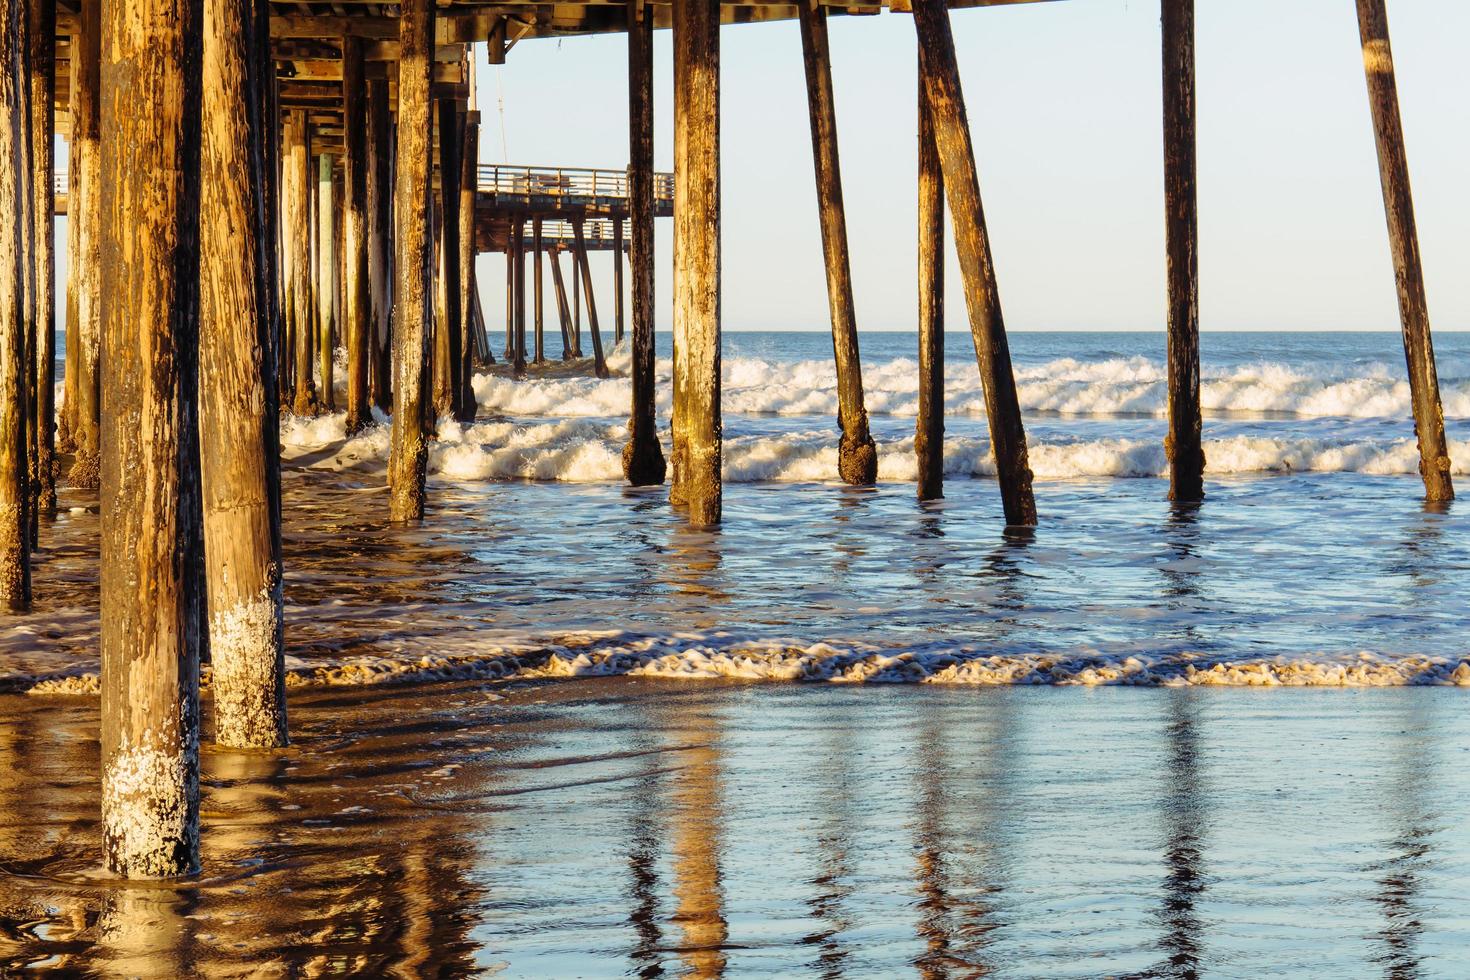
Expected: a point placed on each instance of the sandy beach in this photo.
(629, 826)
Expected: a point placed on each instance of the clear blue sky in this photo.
(1064, 102)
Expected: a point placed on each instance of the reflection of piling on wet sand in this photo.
(955, 911)
(696, 798)
(229, 233)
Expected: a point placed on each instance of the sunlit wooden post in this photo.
(518, 232)
(449, 330)
(697, 426)
(617, 223)
(151, 535)
(599, 362)
(643, 457)
(380, 255)
(1403, 239)
(857, 456)
(469, 177)
(338, 337)
(306, 348)
(510, 294)
(84, 207)
(326, 282)
(538, 292)
(268, 92)
(940, 72)
(65, 425)
(564, 312)
(296, 236)
(286, 287)
(237, 389)
(576, 298)
(43, 126)
(408, 463)
(358, 323)
(1183, 443)
(438, 366)
(27, 201)
(15, 562)
(929, 430)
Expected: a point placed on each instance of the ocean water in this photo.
(1313, 560)
(1094, 405)
(555, 731)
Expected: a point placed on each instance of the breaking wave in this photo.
(720, 655)
(1116, 386)
(582, 450)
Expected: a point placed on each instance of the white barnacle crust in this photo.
(149, 824)
(247, 672)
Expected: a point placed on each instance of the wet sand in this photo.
(630, 826)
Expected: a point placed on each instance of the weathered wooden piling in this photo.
(15, 564)
(929, 430)
(306, 350)
(65, 427)
(285, 211)
(43, 125)
(643, 457)
(1183, 443)
(696, 421)
(268, 92)
(339, 265)
(538, 292)
(857, 455)
(469, 177)
(296, 237)
(28, 199)
(84, 206)
(599, 362)
(380, 255)
(151, 532)
(358, 326)
(510, 299)
(437, 322)
(408, 463)
(449, 329)
(563, 310)
(940, 74)
(518, 232)
(576, 297)
(326, 282)
(483, 354)
(237, 390)
(617, 223)
(1403, 239)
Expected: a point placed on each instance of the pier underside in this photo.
(317, 188)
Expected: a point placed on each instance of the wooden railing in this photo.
(597, 233)
(566, 182)
(534, 182)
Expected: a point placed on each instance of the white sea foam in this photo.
(582, 450)
(722, 655)
(1131, 385)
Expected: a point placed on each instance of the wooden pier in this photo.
(252, 181)
(547, 212)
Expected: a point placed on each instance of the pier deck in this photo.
(558, 194)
